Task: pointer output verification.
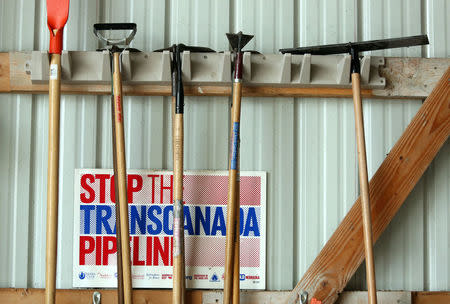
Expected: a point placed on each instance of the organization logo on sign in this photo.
(242, 277)
(87, 275)
(214, 278)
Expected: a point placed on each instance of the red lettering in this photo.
(171, 251)
(106, 250)
(112, 190)
(102, 178)
(153, 177)
(136, 260)
(170, 188)
(98, 251)
(149, 251)
(132, 189)
(162, 251)
(86, 250)
(84, 185)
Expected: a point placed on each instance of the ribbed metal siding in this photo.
(306, 145)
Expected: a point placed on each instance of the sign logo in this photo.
(214, 278)
(242, 277)
(82, 275)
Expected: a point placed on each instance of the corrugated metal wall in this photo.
(306, 145)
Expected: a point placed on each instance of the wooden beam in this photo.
(152, 296)
(77, 296)
(389, 187)
(431, 297)
(385, 297)
(247, 297)
(4, 73)
(411, 78)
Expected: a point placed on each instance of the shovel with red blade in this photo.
(57, 14)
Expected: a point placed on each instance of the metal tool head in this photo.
(183, 47)
(57, 14)
(114, 49)
(194, 49)
(178, 76)
(99, 28)
(362, 46)
(238, 41)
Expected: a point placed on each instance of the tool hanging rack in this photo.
(280, 70)
(410, 78)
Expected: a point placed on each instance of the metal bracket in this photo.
(96, 297)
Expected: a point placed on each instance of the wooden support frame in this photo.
(159, 296)
(403, 80)
(409, 158)
(398, 174)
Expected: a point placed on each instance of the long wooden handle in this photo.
(52, 177)
(121, 179)
(236, 265)
(232, 194)
(117, 205)
(236, 268)
(173, 126)
(179, 282)
(364, 185)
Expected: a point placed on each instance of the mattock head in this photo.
(239, 40)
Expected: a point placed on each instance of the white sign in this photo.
(150, 197)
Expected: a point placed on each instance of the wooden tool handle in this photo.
(236, 268)
(117, 208)
(52, 177)
(121, 179)
(364, 185)
(232, 194)
(173, 126)
(179, 282)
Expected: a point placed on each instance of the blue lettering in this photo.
(251, 223)
(86, 209)
(188, 221)
(102, 219)
(167, 211)
(241, 221)
(136, 219)
(153, 218)
(218, 222)
(205, 221)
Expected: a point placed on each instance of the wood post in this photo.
(121, 179)
(179, 282)
(236, 268)
(117, 208)
(233, 196)
(364, 187)
(52, 177)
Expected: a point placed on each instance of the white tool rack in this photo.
(277, 70)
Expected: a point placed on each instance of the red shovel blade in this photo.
(57, 14)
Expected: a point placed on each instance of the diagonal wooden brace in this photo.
(398, 174)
